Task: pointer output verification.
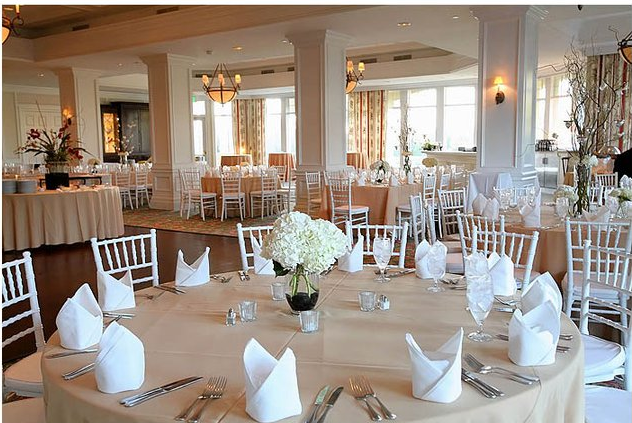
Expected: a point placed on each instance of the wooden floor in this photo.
(60, 270)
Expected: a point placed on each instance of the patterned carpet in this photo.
(171, 221)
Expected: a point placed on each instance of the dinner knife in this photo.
(319, 400)
(465, 378)
(68, 353)
(486, 385)
(120, 315)
(401, 273)
(171, 289)
(330, 403)
(161, 390)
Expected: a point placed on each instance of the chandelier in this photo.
(225, 88)
(353, 78)
(9, 25)
(625, 48)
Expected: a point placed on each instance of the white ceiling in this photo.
(192, 31)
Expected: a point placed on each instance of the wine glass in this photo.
(436, 267)
(382, 252)
(561, 207)
(480, 297)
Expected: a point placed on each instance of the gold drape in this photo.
(249, 128)
(367, 123)
(616, 72)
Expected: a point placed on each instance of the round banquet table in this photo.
(54, 217)
(185, 335)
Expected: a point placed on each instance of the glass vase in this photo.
(57, 167)
(582, 176)
(302, 289)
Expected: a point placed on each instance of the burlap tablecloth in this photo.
(53, 217)
(185, 335)
(282, 159)
(382, 201)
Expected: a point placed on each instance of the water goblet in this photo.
(561, 207)
(436, 267)
(480, 298)
(382, 252)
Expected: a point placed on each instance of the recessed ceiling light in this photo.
(209, 51)
(404, 24)
(41, 75)
(455, 17)
(238, 48)
(120, 64)
(285, 40)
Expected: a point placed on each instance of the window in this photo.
(422, 114)
(553, 105)
(290, 126)
(273, 137)
(393, 125)
(223, 121)
(459, 118)
(199, 117)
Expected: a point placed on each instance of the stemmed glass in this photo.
(480, 298)
(382, 252)
(436, 267)
(561, 207)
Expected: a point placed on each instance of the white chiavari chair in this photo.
(370, 232)
(140, 185)
(314, 191)
(342, 208)
(459, 178)
(244, 235)
(450, 202)
(417, 219)
(287, 194)
(133, 253)
(431, 231)
(607, 180)
(124, 182)
(606, 269)
(266, 198)
(617, 235)
(232, 195)
(20, 318)
(193, 195)
(281, 171)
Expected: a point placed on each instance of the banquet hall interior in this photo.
(402, 174)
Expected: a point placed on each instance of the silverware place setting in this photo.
(328, 405)
(397, 273)
(171, 289)
(222, 278)
(362, 391)
(479, 367)
(243, 275)
(560, 348)
(485, 389)
(156, 392)
(150, 297)
(78, 372)
(317, 403)
(69, 353)
(214, 389)
(119, 315)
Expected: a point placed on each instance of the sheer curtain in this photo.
(613, 69)
(249, 128)
(366, 120)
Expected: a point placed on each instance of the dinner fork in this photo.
(217, 390)
(206, 393)
(479, 367)
(359, 394)
(368, 391)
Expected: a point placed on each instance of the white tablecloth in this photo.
(484, 183)
(185, 335)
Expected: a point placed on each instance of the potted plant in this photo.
(301, 249)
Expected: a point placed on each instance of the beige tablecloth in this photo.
(357, 160)
(248, 184)
(53, 217)
(185, 335)
(381, 199)
(235, 159)
(282, 159)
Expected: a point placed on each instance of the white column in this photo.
(79, 98)
(319, 63)
(170, 112)
(508, 48)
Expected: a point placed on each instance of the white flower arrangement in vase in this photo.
(624, 199)
(380, 167)
(565, 191)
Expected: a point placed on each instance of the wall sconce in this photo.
(67, 116)
(500, 96)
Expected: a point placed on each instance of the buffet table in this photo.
(55, 217)
(185, 335)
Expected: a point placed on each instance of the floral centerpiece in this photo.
(405, 137)
(302, 249)
(565, 191)
(623, 197)
(54, 145)
(123, 148)
(428, 145)
(381, 167)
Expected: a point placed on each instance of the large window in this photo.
(459, 117)
(553, 105)
(199, 118)
(290, 126)
(223, 130)
(273, 138)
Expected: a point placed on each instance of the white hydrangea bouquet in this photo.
(303, 248)
(565, 191)
(624, 197)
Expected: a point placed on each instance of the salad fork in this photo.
(216, 391)
(205, 394)
(479, 367)
(368, 390)
(360, 395)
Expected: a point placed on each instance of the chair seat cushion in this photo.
(602, 359)
(29, 410)
(354, 209)
(607, 405)
(578, 280)
(25, 376)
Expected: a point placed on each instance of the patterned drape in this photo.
(613, 69)
(367, 123)
(249, 128)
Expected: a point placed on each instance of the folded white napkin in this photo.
(533, 336)
(263, 266)
(196, 274)
(353, 260)
(501, 269)
(271, 384)
(394, 181)
(421, 260)
(531, 215)
(625, 182)
(492, 209)
(80, 320)
(120, 362)
(541, 289)
(115, 294)
(601, 215)
(437, 374)
(361, 181)
(478, 205)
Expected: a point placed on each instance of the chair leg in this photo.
(202, 207)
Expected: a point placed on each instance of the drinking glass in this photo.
(309, 320)
(436, 267)
(480, 298)
(278, 291)
(248, 311)
(382, 252)
(367, 300)
(561, 207)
